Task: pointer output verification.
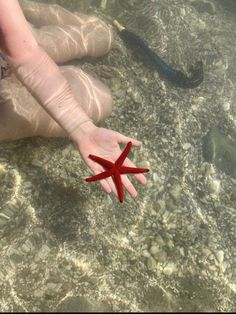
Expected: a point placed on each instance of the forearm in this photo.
(36, 70)
(42, 77)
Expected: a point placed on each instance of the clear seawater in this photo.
(68, 246)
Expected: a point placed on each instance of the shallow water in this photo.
(68, 246)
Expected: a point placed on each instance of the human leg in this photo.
(66, 36)
(22, 116)
(92, 95)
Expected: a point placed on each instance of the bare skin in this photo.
(72, 36)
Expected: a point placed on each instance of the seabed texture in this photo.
(68, 246)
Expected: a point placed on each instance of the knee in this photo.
(100, 37)
(93, 95)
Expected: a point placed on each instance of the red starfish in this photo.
(115, 170)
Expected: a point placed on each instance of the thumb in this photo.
(125, 139)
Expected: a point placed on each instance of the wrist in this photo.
(83, 129)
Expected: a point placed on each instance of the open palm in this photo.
(105, 143)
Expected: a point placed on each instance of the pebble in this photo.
(136, 97)
(222, 268)
(170, 244)
(29, 245)
(175, 191)
(52, 288)
(38, 293)
(187, 146)
(220, 256)
(170, 268)
(153, 213)
(165, 216)
(214, 187)
(116, 84)
(36, 162)
(154, 249)
(43, 253)
(200, 100)
(171, 226)
(155, 177)
(25, 248)
(181, 250)
(226, 106)
(159, 240)
(151, 263)
(233, 287)
(3, 219)
(206, 252)
(145, 253)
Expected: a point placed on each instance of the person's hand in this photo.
(105, 143)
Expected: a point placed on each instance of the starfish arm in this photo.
(100, 176)
(124, 170)
(123, 155)
(102, 161)
(119, 187)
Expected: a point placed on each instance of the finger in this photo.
(139, 176)
(125, 139)
(108, 183)
(129, 186)
(112, 186)
(104, 182)
(106, 186)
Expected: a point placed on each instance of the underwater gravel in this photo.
(67, 245)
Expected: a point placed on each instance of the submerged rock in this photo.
(221, 151)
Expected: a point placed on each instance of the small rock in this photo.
(221, 151)
(175, 191)
(161, 203)
(154, 249)
(206, 252)
(233, 287)
(170, 268)
(226, 106)
(187, 146)
(36, 162)
(214, 186)
(52, 288)
(151, 263)
(181, 250)
(170, 244)
(155, 177)
(38, 293)
(145, 253)
(220, 256)
(43, 253)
